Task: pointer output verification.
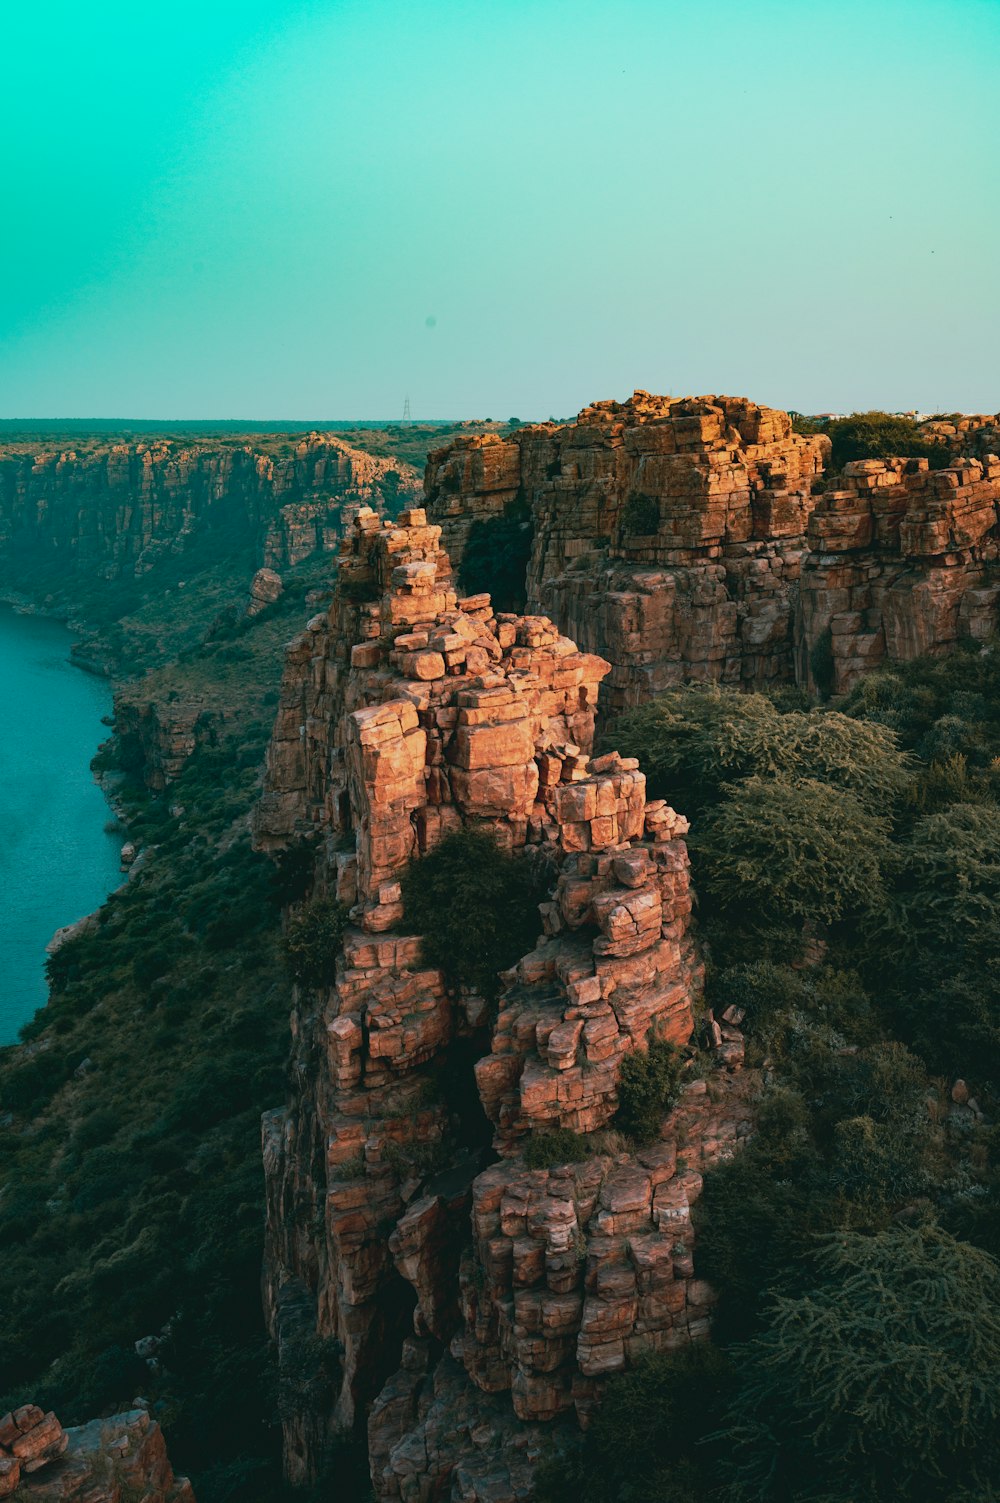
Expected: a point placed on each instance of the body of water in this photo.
(56, 862)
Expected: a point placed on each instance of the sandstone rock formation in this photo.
(108, 1461)
(668, 534)
(162, 733)
(408, 712)
(266, 589)
(902, 561)
(117, 509)
(675, 538)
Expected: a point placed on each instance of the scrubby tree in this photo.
(881, 435)
(949, 888)
(880, 1384)
(645, 1441)
(475, 907)
(775, 851)
(691, 741)
(313, 940)
(647, 1088)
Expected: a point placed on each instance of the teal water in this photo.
(56, 862)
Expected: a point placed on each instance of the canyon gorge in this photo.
(431, 1287)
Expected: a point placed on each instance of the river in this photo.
(57, 863)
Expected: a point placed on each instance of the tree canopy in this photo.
(879, 1384)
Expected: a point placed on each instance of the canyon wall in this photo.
(118, 509)
(901, 562)
(697, 539)
(417, 1269)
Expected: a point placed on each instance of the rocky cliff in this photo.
(116, 510)
(418, 1271)
(677, 537)
(108, 1461)
(901, 561)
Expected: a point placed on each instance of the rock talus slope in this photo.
(469, 1301)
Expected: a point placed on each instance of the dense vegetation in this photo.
(847, 863)
(475, 907)
(131, 1187)
(876, 435)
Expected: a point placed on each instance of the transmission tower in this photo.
(406, 410)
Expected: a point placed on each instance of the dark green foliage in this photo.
(647, 1088)
(948, 893)
(852, 1385)
(476, 908)
(544, 1150)
(693, 740)
(645, 1442)
(772, 996)
(773, 850)
(131, 1180)
(880, 435)
(496, 557)
(879, 1384)
(313, 941)
(640, 516)
(944, 925)
(939, 706)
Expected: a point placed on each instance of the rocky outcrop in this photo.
(902, 561)
(468, 1298)
(266, 588)
(159, 735)
(668, 534)
(117, 510)
(700, 539)
(108, 1461)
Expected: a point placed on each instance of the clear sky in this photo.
(311, 210)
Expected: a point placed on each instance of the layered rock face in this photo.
(108, 1461)
(164, 732)
(118, 509)
(901, 561)
(472, 1303)
(668, 534)
(690, 540)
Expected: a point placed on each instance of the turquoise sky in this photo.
(308, 210)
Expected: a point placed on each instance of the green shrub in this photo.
(647, 1088)
(881, 1382)
(693, 741)
(645, 1442)
(313, 942)
(475, 907)
(774, 850)
(641, 516)
(949, 885)
(881, 435)
(545, 1150)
